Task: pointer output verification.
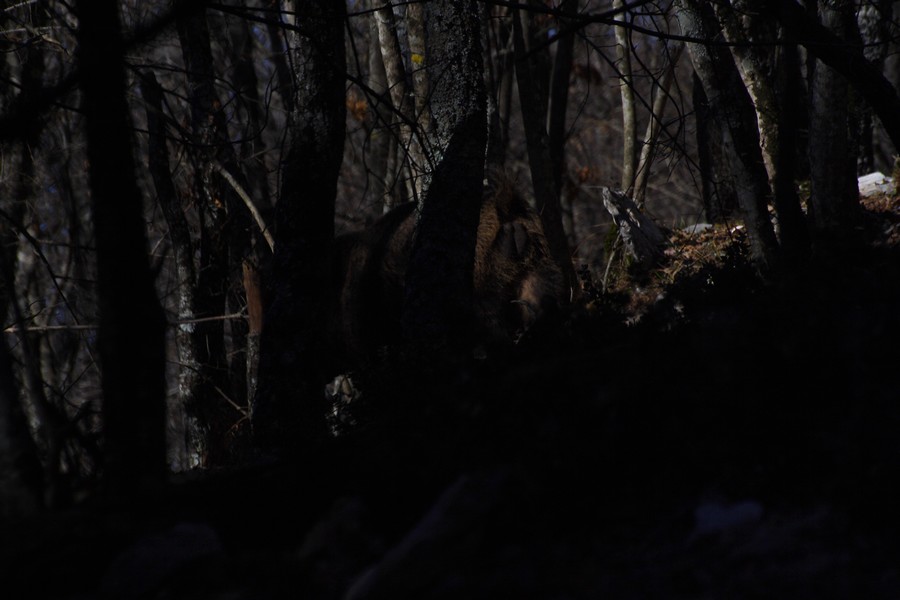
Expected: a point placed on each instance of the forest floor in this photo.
(694, 434)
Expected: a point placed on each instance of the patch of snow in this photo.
(696, 228)
(875, 183)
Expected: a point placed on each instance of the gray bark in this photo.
(438, 304)
(187, 340)
(763, 70)
(225, 240)
(740, 138)
(626, 91)
(874, 19)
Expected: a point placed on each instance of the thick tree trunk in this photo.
(438, 304)
(740, 138)
(844, 56)
(874, 19)
(20, 469)
(762, 71)
(834, 197)
(132, 325)
(289, 411)
(718, 194)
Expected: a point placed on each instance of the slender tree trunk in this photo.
(533, 105)
(132, 325)
(382, 170)
(187, 342)
(225, 240)
(289, 411)
(498, 59)
(275, 31)
(403, 116)
(654, 126)
(626, 91)
(559, 98)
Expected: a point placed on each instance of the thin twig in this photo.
(221, 170)
(75, 327)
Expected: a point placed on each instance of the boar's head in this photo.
(515, 278)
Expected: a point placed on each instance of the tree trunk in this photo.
(762, 71)
(654, 126)
(437, 310)
(874, 19)
(559, 97)
(132, 325)
(626, 91)
(844, 56)
(289, 411)
(740, 138)
(20, 469)
(834, 197)
(275, 31)
(187, 342)
(532, 100)
(403, 116)
(381, 172)
(499, 64)
(718, 194)
(225, 241)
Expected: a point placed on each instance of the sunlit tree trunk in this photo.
(626, 91)
(764, 66)
(728, 97)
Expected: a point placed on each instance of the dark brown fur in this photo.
(515, 278)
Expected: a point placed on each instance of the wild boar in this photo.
(515, 278)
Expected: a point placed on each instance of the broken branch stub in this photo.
(644, 240)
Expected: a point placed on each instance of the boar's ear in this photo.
(513, 240)
(520, 236)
